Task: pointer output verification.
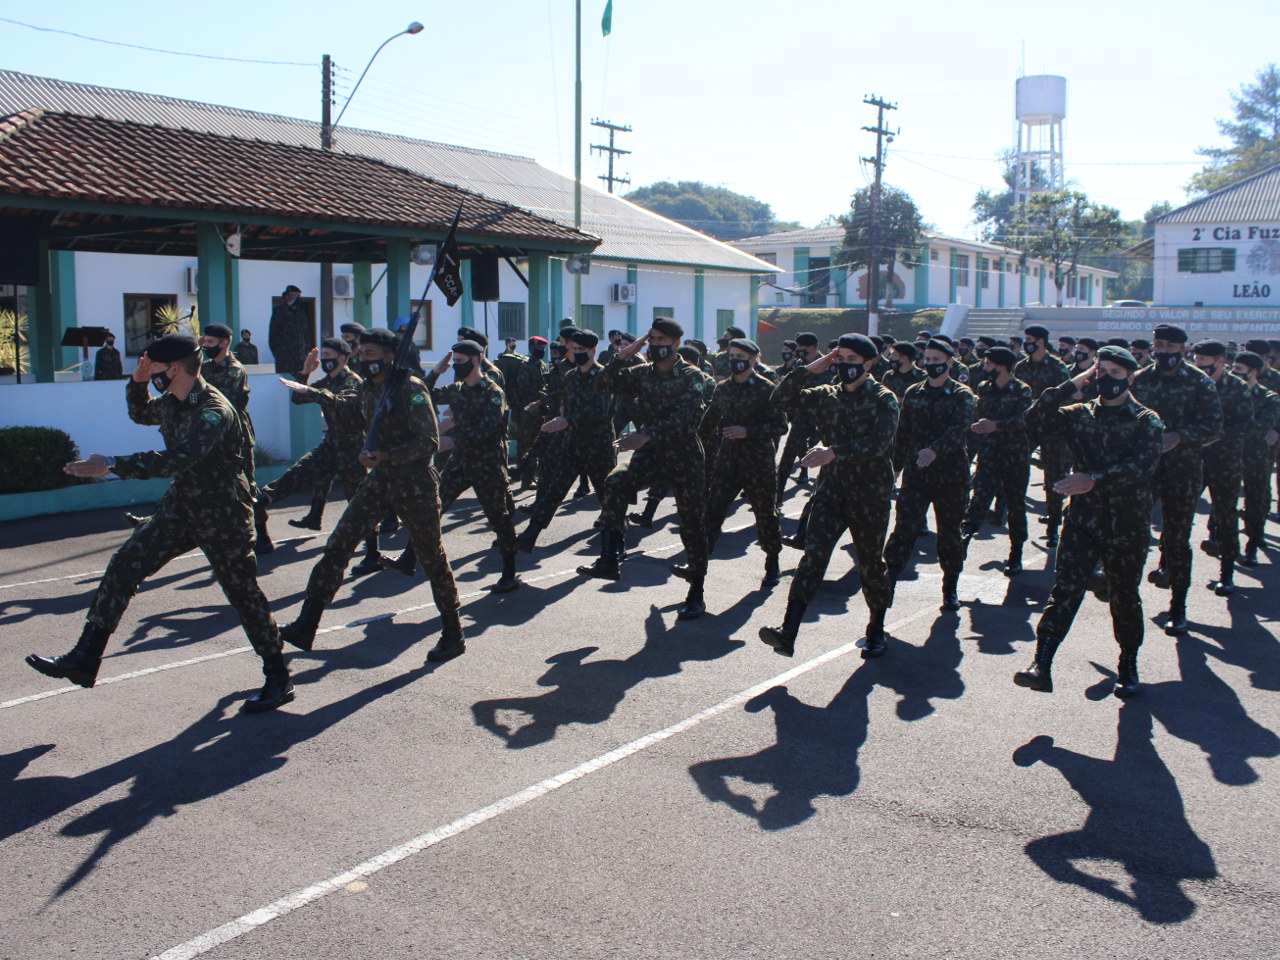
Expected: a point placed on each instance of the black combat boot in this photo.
(1126, 673)
(772, 575)
(694, 606)
(404, 564)
(1013, 566)
(276, 691)
(528, 537)
(451, 644)
(950, 597)
(783, 638)
(80, 664)
(302, 632)
(645, 517)
(311, 520)
(1177, 622)
(1038, 675)
(1211, 547)
(389, 524)
(683, 571)
(372, 561)
(1100, 586)
(875, 644)
(508, 581)
(1051, 536)
(1159, 576)
(1250, 558)
(584, 487)
(262, 544)
(606, 567)
(1226, 577)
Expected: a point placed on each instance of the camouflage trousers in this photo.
(945, 485)
(594, 456)
(227, 542)
(1177, 483)
(315, 467)
(1222, 477)
(800, 438)
(526, 427)
(1001, 473)
(487, 475)
(1122, 548)
(1056, 462)
(1256, 466)
(753, 477)
(864, 512)
(685, 470)
(419, 511)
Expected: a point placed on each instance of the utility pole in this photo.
(873, 255)
(326, 143)
(611, 150)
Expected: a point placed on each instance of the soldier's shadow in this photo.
(585, 691)
(1136, 821)
(999, 628)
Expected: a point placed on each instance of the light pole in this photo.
(326, 143)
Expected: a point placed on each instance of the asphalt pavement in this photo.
(597, 779)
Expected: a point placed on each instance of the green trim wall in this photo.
(699, 304)
(800, 271)
(539, 314)
(362, 284)
(1003, 266)
(213, 275)
(467, 306)
(398, 290)
(633, 308)
(951, 285)
(556, 270)
(920, 286)
(62, 301)
(755, 305)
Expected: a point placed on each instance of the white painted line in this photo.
(318, 891)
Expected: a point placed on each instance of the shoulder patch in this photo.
(211, 416)
(495, 399)
(418, 398)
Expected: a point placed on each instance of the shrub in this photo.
(31, 458)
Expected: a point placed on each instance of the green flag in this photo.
(606, 22)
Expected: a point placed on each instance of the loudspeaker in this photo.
(19, 252)
(484, 279)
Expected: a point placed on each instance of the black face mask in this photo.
(935, 370)
(1110, 388)
(536, 351)
(1029, 347)
(374, 367)
(329, 364)
(980, 352)
(1079, 357)
(1208, 370)
(659, 353)
(739, 365)
(849, 372)
(211, 353)
(985, 374)
(1168, 361)
(786, 356)
(580, 357)
(463, 370)
(111, 344)
(161, 381)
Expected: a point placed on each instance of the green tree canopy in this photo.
(900, 230)
(994, 211)
(1064, 228)
(715, 211)
(1254, 135)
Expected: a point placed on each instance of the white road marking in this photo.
(318, 891)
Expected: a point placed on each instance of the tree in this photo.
(1254, 135)
(900, 228)
(995, 212)
(1063, 227)
(715, 211)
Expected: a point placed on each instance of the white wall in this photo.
(1255, 281)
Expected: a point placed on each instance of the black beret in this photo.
(1167, 331)
(878, 341)
(628, 337)
(585, 338)
(859, 344)
(697, 345)
(474, 335)
(1258, 346)
(1251, 360)
(806, 339)
(1070, 340)
(942, 346)
(943, 337)
(1118, 355)
(1273, 344)
(668, 327)
(967, 342)
(1118, 342)
(905, 349)
(352, 328)
(1002, 356)
(219, 330)
(613, 333)
(1089, 342)
(172, 347)
(291, 289)
(731, 332)
(790, 343)
(336, 343)
(1140, 343)
(742, 343)
(1210, 348)
(379, 335)
(987, 341)
(568, 331)
(469, 347)
(1037, 331)
(833, 343)
(689, 354)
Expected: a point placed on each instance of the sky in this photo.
(763, 98)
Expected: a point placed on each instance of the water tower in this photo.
(1041, 108)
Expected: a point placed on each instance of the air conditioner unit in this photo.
(622, 293)
(343, 286)
(193, 280)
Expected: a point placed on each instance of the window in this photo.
(422, 336)
(1071, 286)
(768, 258)
(592, 318)
(933, 253)
(779, 298)
(962, 269)
(724, 320)
(664, 312)
(140, 319)
(1207, 260)
(984, 276)
(511, 321)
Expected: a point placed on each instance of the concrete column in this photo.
(540, 318)
(213, 273)
(398, 294)
(362, 283)
(699, 305)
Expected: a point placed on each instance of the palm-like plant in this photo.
(168, 320)
(14, 355)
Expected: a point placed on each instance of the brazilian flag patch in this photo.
(418, 398)
(211, 416)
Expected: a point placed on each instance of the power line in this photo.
(611, 150)
(137, 46)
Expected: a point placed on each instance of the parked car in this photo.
(1127, 303)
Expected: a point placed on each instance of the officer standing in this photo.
(1258, 453)
(526, 389)
(856, 418)
(208, 505)
(402, 480)
(1040, 370)
(107, 363)
(1187, 403)
(668, 397)
(290, 334)
(1004, 456)
(935, 421)
(245, 351)
(1116, 444)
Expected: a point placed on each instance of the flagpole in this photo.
(577, 149)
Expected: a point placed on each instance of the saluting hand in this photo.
(311, 364)
(443, 365)
(822, 363)
(142, 372)
(634, 347)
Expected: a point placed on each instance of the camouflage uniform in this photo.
(479, 457)
(744, 465)
(1256, 462)
(1120, 448)
(339, 399)
(1004, 457)
(898, 382)
(527, 385)
(290, 335)
(587, 445)
(208, 505)
(1186, 402)
(404, 483)
(854, 489)
(246, 352)
(231, 379)
(107, 364)
(1055, 453)
(667, 407)
(937, 418)
(1223, 464)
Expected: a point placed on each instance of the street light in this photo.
(412, 28)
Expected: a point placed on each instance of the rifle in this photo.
(447, 254)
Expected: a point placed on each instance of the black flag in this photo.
(449, 265)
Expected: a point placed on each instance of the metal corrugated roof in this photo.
(628, 232)
(1253, 198)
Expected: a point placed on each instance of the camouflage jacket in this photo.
(339, 399)
(230, 377)
(1040, 375)
(528, 383)
(1186, 401)
(1266, 412)
(479, 414)
(589, 412)
(408, 436)
(1237, 415)
(208, 450)
(1007, 406)
(858, 425)
(747, 405)
(898, 382)
(937, 418)
(666, 406)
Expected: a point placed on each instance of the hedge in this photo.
(31, 458)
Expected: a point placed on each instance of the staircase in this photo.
(1001, 324)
